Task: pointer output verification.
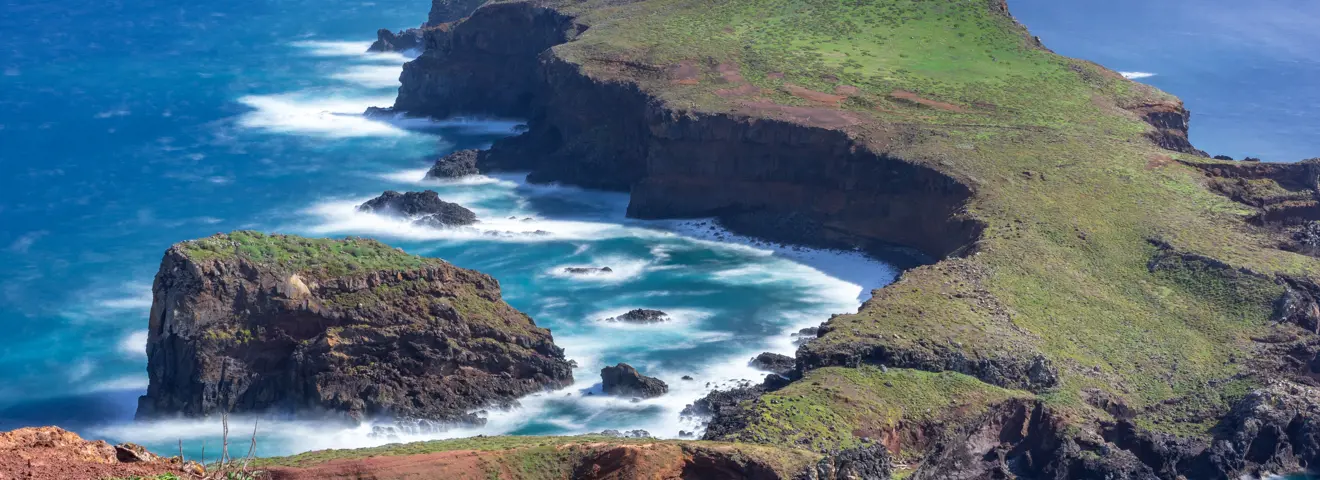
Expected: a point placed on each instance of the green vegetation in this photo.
(835, 407)
(315, 257)
(1069, 187)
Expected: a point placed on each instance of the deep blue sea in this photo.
(128, 126)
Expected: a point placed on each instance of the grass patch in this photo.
(316, 257)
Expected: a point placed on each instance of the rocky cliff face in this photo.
(777, 179)
(445, 11)
(346, 329)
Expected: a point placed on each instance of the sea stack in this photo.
(349, 329)
(625, 381)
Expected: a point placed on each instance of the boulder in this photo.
(455, 165)
(1223, 157)
(641, 316)
(624, 380)
(774, 362)
(425, 208)
(387, 41)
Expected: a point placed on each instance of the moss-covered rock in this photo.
(350, 329)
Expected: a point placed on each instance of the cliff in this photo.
(1082, 259)
(348, 329)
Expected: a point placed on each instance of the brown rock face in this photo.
(782, 180)
(1171, 121)
(52, 452)
(432, 342)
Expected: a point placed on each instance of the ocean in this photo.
(128, 126)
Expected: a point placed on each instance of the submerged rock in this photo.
(588, 270)
(387, 41)
(774, 362)
(347, 329)
(425, 208)
(641, 316)
(455, 165)
(624, 380)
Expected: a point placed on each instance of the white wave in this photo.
(132, 382)
(622, 269)
(417, 176)
(371, 76)
(356, 50)
(308, 113)
(134, 344)
(1136, 75)
(138, 299)
(341, 217)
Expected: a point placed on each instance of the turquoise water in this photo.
(127, 128)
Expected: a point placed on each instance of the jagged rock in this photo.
(425, 208)
(774, 362)
(387, 41)
(864, 463)
(445, 11)
(1250, 159)
(132, 452)
(455, 165)
(687, 377)
(623, 380)
(641, 316)
(1300, 303)
(588, 271)
(1223, 157)
(342, 329)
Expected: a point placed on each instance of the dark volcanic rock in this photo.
(864, 463)
(455, 165)
(345, 329)
(641, 316)
(1223, 157)
(774, 362)
(1300, 303)
(387, 41)
(424, 207)
(723, 410)
(588, 270)
(445, 11)
(624, 380)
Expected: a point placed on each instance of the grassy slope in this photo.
(1069, 187)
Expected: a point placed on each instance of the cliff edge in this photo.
(349, 329)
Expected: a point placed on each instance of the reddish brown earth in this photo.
(458, 464)
(918, 99)
(812, 95)
(52, 452)
(684, 73)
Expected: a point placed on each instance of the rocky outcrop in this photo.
(1170, 120)
(864, 463)
(641, 316)
(623, 380)
(52, 452)
(343, 329)
(1300, 303)
(774, 362)
(403, 40)
(484, 65)
(1285, 194)
(809, 184)
(445, 11)
(454, 165)
(424, 208)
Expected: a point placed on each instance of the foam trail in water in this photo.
(371, 76)
(311, 114)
